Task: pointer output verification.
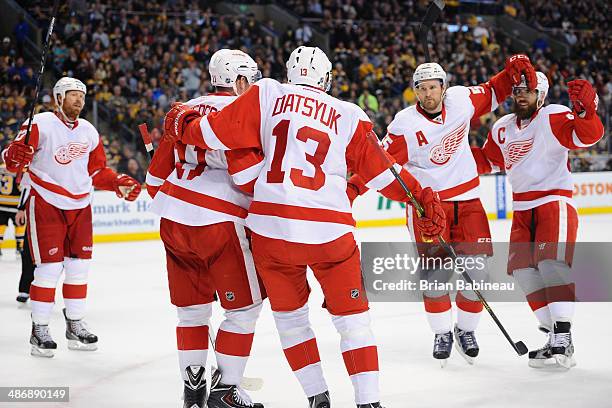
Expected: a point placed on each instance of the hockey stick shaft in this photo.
(43, 61)
(146, 139)
(41, 71)
(433, 12)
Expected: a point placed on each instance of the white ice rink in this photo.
(136, 364)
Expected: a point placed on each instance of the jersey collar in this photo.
(439, 120)
(69, 125)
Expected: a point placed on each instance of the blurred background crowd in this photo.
(137, 57)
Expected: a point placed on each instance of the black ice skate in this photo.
(22, 297)
(79, 337)
(319, 401)
(466, 344)
(228, 396)
(370, 405)
(194, 394)
(541, 357)
(443, 344)
(562, 348)
(41, 341)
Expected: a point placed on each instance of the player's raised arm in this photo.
(582, 127)
(236, 126)
(486, 97)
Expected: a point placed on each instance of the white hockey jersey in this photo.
(194, 185)
(534, 153)
(65, 160)
(310, 140)
(437, 152)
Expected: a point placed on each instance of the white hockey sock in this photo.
(74, 289)
(300, 348)
(42, 291)
(234, 341)
(360, 355)
(531, 282)
(560, 290)
(192, 335)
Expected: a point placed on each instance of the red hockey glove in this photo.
(583, 97)
(518, 65)
(18, 155)
(433, 220)
(176, 119)
(126, 187)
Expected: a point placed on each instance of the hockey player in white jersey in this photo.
(531, 145)
(66, 159)
(203, 229)
(301, 215)
(430, 139)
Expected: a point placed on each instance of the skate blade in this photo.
(470, 360)
(541, 362)
(39, 352)
(443, 362)
(77, 345)
(564, 361)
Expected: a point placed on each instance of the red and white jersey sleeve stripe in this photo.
(573, 132)
(236, 126)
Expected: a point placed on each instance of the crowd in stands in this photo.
(138, 57)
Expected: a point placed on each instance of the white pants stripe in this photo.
(33, 234)
(562, 239)
(249, 264)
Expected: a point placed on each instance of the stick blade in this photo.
(520, 348)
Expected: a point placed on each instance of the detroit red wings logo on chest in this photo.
(72, 151)
(515, 151)
(441, 153)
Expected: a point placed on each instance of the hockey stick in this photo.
(43, 60)
(146, 139)
(518, 346)
(433, 12)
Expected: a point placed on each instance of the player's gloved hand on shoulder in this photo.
(18, 155)
(126, 187)
(176, 119)
(519, 65)
(433, 220)
(583, 97)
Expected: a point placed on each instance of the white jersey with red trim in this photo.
(195, 187)
(437, 151)
(310, 140)
(534, 153)
(65, 160)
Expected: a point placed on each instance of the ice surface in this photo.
(136, 364)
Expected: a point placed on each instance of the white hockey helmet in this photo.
(64, 85)
(427, 71)
(541, 87)
(225, 66)
(309, 66)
